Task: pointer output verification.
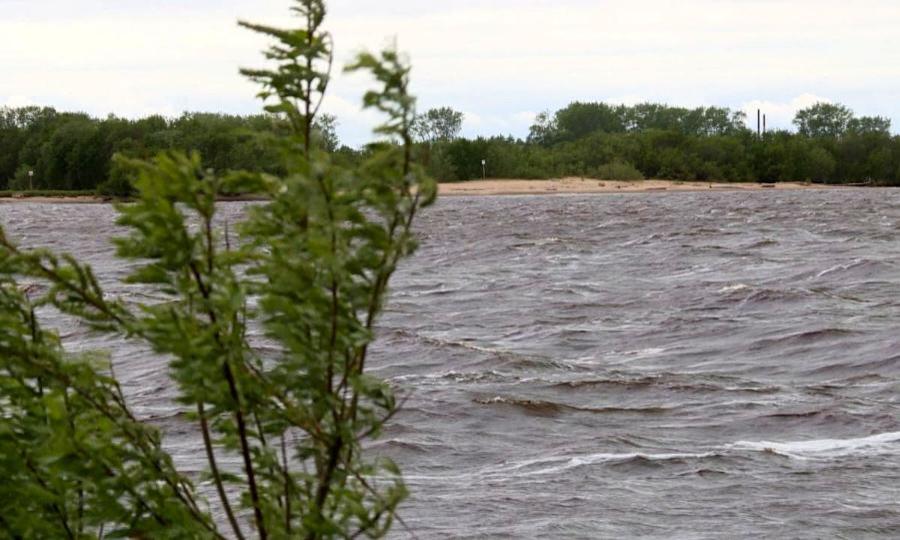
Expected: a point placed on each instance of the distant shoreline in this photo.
(92, 199)
(55, 199)
(589, 186)
(561, 186)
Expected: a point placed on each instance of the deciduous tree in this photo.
(823, 120)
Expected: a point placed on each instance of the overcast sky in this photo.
(499, 61)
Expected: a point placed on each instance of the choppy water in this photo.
(697, 365)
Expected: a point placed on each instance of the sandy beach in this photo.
(579, 185)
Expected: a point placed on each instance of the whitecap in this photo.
(638, 354)
(839, 268)
(884, 443)
(734, 288)
(553, 465)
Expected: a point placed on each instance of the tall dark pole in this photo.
(758, 125)
(764, 124)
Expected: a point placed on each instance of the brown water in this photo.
(699, 365)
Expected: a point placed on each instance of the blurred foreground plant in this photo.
(310, 266)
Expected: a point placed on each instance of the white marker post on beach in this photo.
(483, 170)
(30, 181)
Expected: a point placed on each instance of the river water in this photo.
(681, 365)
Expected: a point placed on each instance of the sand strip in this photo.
(579, 185)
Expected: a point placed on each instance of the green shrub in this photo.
(440, 165)
(22, 181)
(618, 170)
(120, 182)
(821, 166)
(311, 268)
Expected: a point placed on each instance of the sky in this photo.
(499, 61)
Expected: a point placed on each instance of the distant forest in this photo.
(73, 151)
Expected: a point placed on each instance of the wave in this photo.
(803, 414)
(839, 268)
(885, 443)
(418, 447)
(504, 356)
(748, 294)
(805, 338)
(775, 295)
(861, 266)
(616, 357)
(889, 364)
(822, 449)
(553, 465)
(552, 408)
(460, 377)
(865, 380)
(669, 381)
(734, 288)
(642, 241)
(765, 242)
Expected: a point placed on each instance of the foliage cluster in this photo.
(310, 267)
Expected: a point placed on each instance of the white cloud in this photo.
(354, 123)
(18, 101)
(524, 118)
(472, 121)
(780, 115)
(515, 124)
(492, 59)
(629, 100)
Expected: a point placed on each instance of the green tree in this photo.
(721, 121)
(581, 119)
(120, 182)
(23, 179)
(311, 268)
(821, 165)
(823, 120)
(544, 131)
(12, 138)
(75, 459)
(438, 125)
(865, 125)
(325, 131)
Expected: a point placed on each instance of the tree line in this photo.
(73, 151)
(598, 140)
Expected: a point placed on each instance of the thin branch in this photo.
(287, 486)
(214, 469)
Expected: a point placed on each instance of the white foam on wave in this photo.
(839, 268)
(884, 443)
(618, 357)
(818, 449)
(554, 465)
(644, 353)
(734, 288)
